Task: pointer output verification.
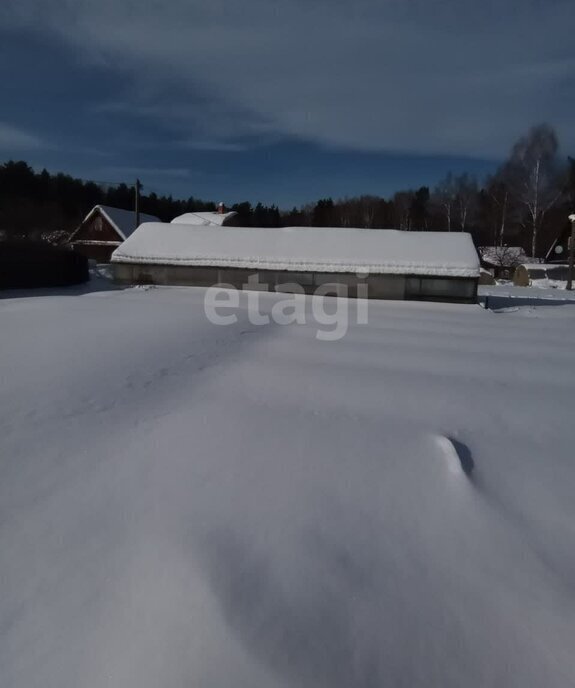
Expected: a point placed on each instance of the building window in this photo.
(436, 287)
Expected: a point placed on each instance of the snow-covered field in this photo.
(186, 505)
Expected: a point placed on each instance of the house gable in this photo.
(97, 227)
(106, 224)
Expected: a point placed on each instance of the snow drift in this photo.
(191, 505)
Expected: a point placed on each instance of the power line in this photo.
(100, 183)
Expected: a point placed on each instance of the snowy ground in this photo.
(525, 295)
(185, 505)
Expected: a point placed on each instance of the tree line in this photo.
(524, 203)
(43, 205)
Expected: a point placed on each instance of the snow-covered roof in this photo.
(501, 255)
(539, 266)
(309, 249)
(203, 218)
(123, 221)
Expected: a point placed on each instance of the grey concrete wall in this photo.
(393, 287)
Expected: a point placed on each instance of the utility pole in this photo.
(571, 252)
(137, 188)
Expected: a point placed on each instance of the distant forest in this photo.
(525, 203)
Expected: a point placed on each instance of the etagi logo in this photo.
(331, 315)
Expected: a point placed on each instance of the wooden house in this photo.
(103, 230)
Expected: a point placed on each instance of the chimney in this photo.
(221, 208)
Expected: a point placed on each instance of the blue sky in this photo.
(280, 100)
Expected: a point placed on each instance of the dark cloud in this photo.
(281, 101)
(443, 77)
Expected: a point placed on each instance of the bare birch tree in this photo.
(466, 192)
(445, 197)
(497, 194)
(402, 209)
(532, 174)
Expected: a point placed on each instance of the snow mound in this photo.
(456, 455)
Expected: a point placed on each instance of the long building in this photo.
(372, 263)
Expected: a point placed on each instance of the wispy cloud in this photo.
(195, 121)
(214, 146)
(13, 139)
(122, 172)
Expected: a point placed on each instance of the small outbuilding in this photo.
(541, 275)
(371, 263)
(501, 261)
(103, 229)
(219, 218)
(486, 278)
